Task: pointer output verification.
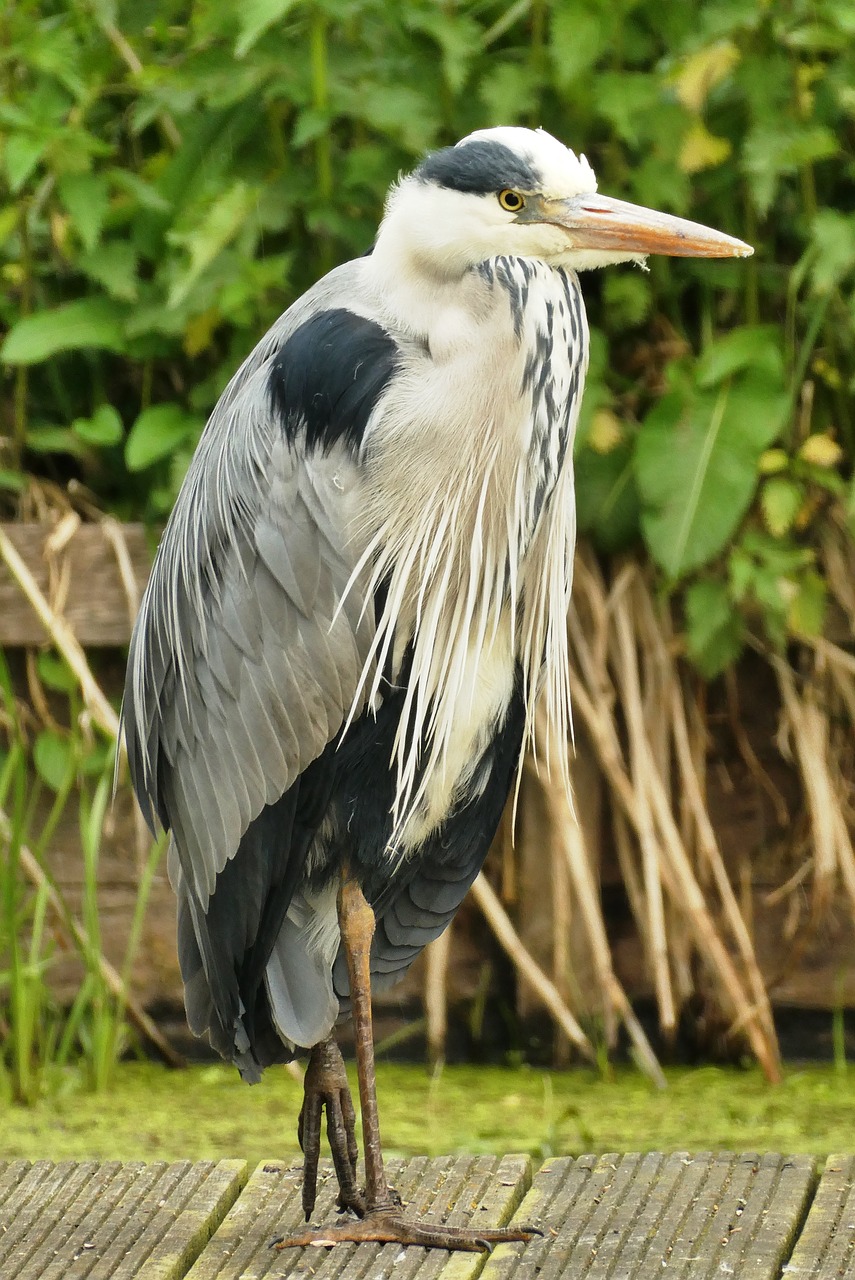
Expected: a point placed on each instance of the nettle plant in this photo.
(172, 176)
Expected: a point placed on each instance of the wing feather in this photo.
(252, 648)
(244, 664)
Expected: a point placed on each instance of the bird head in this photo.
(521, 192)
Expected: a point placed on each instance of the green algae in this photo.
(207, 1112)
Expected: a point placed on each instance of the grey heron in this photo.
(359, 596)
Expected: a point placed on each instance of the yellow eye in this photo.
(511, 200)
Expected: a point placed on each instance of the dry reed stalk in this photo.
(65, 640)
(569, 838)
(832, 653)
(807, 731)
(748, 753)
(654, 638)
(843, 682)
(709, 849)
(562, 924)
(629, 873)
(511, 943)
(115, 535)
(643, 797)
(37, 695)
(641, 760)
(838, 564)
(709, 941)
(58, 565)
(436, 994)
(789, 886)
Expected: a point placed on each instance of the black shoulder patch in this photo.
(479, 167)
(329, 375)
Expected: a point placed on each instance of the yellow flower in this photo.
(821, 451)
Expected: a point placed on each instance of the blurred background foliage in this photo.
(173, 175)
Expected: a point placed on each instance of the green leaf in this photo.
(55, 673)
(749, 347)
(696, 464)
(806, 614)
(146, 195)
(849, 508)
(89, 322)
(771, 152)
(577, 38)
(626, 99)
(22, 153)
(53, 758)
(508, 91)
(221, 224)
(102, 429)
(399, 111)
(256, 17)
(113, 265)
(833, 248)
(607, 497)
(9, 218)
(96, 759)
(13, 481)
(781, 556)
(458, 36)
(86, 198)
(48, 439)
(781, 500)
(157, 433)
(714, 630)
(628, 298)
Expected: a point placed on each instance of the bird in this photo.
(357, 602)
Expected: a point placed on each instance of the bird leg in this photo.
(382, 1219)
(325, 1088)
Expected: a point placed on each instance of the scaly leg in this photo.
(382, 1219)
(325, 1088)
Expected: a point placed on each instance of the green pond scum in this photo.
(152, 1113)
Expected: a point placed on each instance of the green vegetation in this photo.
(151, 1113)
(172, 176)
(42, 773)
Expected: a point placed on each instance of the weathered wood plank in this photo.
(477, 1190)
(825, 1249)
(111, 1220)
(630, 1217)
(83, 581)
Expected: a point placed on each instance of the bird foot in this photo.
(386, 1226)
(325, 1088)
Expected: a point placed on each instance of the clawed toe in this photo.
(325, 1089)
(389, 1227)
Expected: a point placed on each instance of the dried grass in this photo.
(641, 713)
(644, 721)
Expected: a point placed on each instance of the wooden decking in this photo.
(629, 1217)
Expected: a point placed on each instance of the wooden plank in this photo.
(115, 1219)
(476, 1190)
(682, 1216)
(825, 1249)
(82, 582)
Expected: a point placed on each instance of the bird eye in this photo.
(511, 200)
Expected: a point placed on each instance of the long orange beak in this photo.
(599, 222)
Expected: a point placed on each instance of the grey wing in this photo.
(245, 661)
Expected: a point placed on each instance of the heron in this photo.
(358, 599)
